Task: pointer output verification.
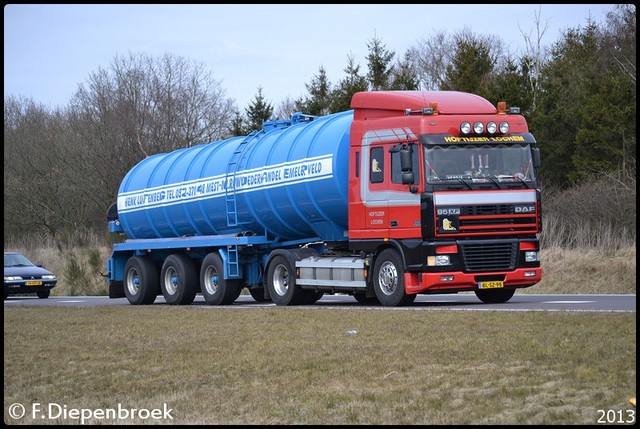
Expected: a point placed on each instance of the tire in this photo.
(494, 296)
(311, 297)
(141, 285)
(178, 279)
(6, 295)
(215, 289)
(281, 282)
(257, 293)
(363, 299)
(388, 280)
(43, 294)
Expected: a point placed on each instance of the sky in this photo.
(50, 49)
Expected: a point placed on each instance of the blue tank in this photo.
(289, 181)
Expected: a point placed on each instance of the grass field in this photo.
(218, 365)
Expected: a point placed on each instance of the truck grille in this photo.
(489, 256)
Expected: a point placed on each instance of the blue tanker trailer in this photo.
(357, 202)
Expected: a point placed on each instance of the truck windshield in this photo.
(503, 163)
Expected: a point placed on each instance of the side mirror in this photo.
(535, 155)
(407, 177)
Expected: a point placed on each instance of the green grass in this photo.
(220, 365)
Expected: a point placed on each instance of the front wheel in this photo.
(43, 294)
(494, 296)
(388, 279)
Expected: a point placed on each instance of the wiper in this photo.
(464, 182)
(520, 179)
(495, 182)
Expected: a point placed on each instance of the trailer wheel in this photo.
(141, 284)
(388, 280)
(494, 296)
(215, 289)
(178, 279)
(281, 280)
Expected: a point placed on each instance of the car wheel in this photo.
(43, 294)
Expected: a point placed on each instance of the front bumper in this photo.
(416, 282)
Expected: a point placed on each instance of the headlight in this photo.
(478, 128)
(438, 260)
(504, 127)
(531, 256)
(12, 278)
(48, 277)
(465, 128)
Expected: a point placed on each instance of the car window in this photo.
(16, 261)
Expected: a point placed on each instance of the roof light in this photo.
(492, 127)
(504, 127)
(478, 128)
(465, 128)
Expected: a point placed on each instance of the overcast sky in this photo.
(50, 49)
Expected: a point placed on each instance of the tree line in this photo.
(63, 166)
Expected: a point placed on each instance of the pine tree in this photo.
(258, 112)
(352, 83)
(379, 63)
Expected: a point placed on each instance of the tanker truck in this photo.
(407, 193)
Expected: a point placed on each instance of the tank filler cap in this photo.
(301, 117)
(282, 123)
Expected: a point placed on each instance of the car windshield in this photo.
(16, 260)
(489, 162)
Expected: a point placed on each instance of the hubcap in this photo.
(281, 280)
(388, 278)
(211, 280)
(133, 282)
(171, 280)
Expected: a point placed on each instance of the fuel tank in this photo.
(288, 181)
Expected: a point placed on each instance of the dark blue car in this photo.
(23, 276)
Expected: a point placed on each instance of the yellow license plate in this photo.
(34, 283)
(490, 285)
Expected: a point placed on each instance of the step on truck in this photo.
(407, 193)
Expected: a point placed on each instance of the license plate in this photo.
(490, 285)
(34, 283)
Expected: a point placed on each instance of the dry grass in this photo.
(216, 365)
(587, 271)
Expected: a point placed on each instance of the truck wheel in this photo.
(311, 297)
(178, 279)
(495, 296)
(281, 280)
(140, 280)
(215, 289)
(362, 298)
(44, 294)
(388, 279)
(257, 293)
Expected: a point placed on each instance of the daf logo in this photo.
(525, 209)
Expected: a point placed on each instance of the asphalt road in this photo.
(459, 302)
